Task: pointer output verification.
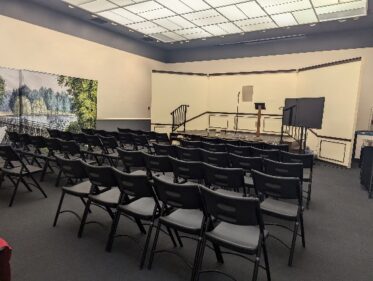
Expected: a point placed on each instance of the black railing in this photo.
(179, 117)
(298, 133)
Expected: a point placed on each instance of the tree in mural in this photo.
(84, 99)
(2, 89)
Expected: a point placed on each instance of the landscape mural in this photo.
(29, 98)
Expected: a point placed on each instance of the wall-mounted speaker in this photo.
(247, 93)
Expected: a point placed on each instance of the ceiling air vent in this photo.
(98, 20)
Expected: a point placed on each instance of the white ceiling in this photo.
(182, 20)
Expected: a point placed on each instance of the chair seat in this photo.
(81, 189)
(169, 176)
(139, 173)
(187, 220)
(241, 238)
(279, 208)
(108, 198)
(143, 207)
(17, 170)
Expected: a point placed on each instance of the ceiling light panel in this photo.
(179, 20)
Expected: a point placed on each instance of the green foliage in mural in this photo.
(84, 102)
(2, 89)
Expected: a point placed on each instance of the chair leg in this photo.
(44, 170)
(38, 186)
(265, 253)
(309, 195)
(295, 234)
(58, 178)
(58, 209)
(84, 218)
(155, 241)
(140, 226)
(14, 192)
(196, 258)
(26, 184)
(218, 254)
(178, 238)
(146, 246)
(113, 231)
(171, 236)
(302, 230)
(200, 259)
(256, 264)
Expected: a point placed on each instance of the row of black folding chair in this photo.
(17, 171)
(182, 210)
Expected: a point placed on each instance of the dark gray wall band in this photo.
(113, 125)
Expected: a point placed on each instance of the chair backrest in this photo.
(65, 135)
(189, 154)
(93, 141)
(282, 169)
(157, 163)
(278, 146)
(69, 148)
(80, 138)
(8, 153)
(246, 163)
(71, 168)
(187, 170)
(226, 178)
(306, 159)
(253, 144)
(238, 150)
(108, 143)
(131, 159)
(232, 142)
(124, 130)
(191, 144)
(277, 187)
(272, 154)
(164, 149)
(53, 133)
(88, 131)
(210, 140)
(162, 138)
(37, 141)
(100, 175)
(214, 147)
(125, 138)
(53, 144)
(25, 139)
(234, 210)
(13, 137)
(137, 186)
(219, 159)
(139, 141)
(184, 196)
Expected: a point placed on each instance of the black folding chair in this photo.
(53, 133)
(132, 161)
(307, 161)
(278, 146)
(237, 225)
(191, 144)
(231, 142)
(138, 201)
(189, 154)
(73, 170)
(225, 180)
(282, 169)
(140, 142)
(162, 138)
(272, 154)
(254, 144)
(278, 192)
(181, 211)
(187, 171)
(16, 171)
(165, 149)
(14, 139)
(104, 192)
(247, 164)
(109, 149)
(238, 150)
(214, 147)
(159, 165)
(219, 159)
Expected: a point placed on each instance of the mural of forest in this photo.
(48, 100)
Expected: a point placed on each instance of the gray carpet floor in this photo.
(339, 237)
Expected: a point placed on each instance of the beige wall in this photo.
(124, 79)
(296, 61)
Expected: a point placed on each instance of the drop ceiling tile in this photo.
(144, 7)
(219, 3)
(259, 26)
(121, 15)
(157, 14)
(305, 16)
(232, 13)
(77, 2)
(252, 9)
(284, 19)
(176, 5)
(193, 33)
(288, 6)
(215, 30)
(196, 5)
(229, 27)
(147, 27)
(98, 6)
(253, 21)
(122, 2)
(342, 7)
(206, 17)
(343, 14)
(110, 15)
(319, 3)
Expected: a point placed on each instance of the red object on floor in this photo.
(5, 253)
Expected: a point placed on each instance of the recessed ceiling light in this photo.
(264, 31)
(94, 16)
(130, 30)
(341, 20)
(203, 39)
(357, 18)
(71, 7)
(113, 23)
(313, 24)
(242, 33)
